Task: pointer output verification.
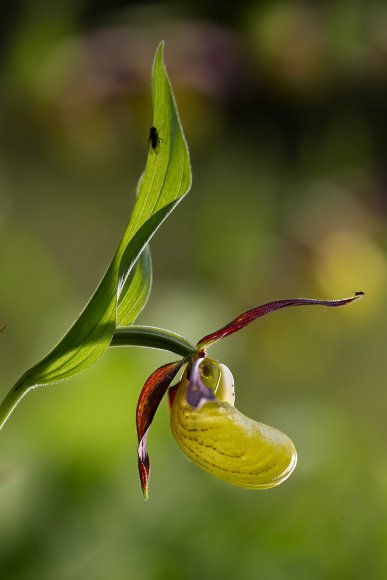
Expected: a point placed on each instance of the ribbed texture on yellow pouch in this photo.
(229, 445)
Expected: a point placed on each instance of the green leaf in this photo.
(136, 291)
(125, 287)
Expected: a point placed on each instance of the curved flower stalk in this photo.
(207, 426)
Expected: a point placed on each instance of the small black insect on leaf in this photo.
(154, 138)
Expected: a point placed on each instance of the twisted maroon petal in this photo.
(249, 316)
(148, 402)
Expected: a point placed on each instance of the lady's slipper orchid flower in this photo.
(209, 429)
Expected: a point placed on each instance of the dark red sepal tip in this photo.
(144, 471)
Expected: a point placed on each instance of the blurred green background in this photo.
(284, 109)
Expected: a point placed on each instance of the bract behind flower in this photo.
(229, 445)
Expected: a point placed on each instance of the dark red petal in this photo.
(172, 394)
(144, 471)
(148, 402)
(249, 316)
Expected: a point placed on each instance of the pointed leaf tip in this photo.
(125, 287)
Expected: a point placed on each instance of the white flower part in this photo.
(226, 390)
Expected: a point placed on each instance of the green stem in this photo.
(147, 336)
(15, 395)
(152, 337)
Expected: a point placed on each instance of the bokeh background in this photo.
(284, 109)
